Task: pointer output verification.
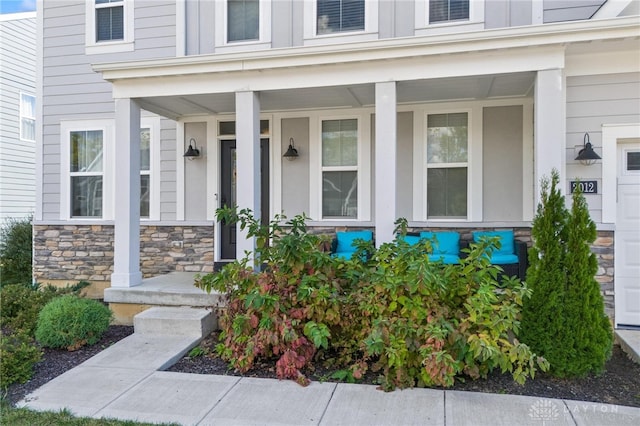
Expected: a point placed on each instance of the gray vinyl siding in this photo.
(167, 170)
(17, 157)
(591, 102)
(505, 13)
(73, 91)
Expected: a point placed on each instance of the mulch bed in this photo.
(619, 384)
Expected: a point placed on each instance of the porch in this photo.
(172, 289)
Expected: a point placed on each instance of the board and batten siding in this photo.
(73, 91)
(17, 75)
(591, 102)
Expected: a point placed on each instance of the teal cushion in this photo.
(448, 259)
(343, 254)
(347, 238)
(444, 243)
(504, 259)
(506, 241)
(410, 239)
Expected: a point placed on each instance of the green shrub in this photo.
(418, 322)
(71, 322)
(16, 251)
(565, 320)
(18, 355)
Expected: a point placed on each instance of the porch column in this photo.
(126, 250)
(385, 161)
(550, 127)
(247, 163)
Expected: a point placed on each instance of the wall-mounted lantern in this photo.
(292, 152)
(192, 151)
(587, 156)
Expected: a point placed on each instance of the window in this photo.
(109, 20)
(145, 173)
(340, 16)
(86, 171)
(27, 117)
(448, 10)
(447, 156)
(340, 168)
(243, 20)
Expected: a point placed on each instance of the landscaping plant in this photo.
(419, 323)
(71, 322)
(564, 320)
(15, 251)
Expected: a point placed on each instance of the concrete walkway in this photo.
(123, 382)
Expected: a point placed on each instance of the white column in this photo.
(550, 127)
(126, 251)
(385, 161)
(247, 163)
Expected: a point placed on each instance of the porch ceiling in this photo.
(353, 96)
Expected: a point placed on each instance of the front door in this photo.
(228, 191)
(627, 237)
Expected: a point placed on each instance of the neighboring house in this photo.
(17, 115)
(445, 112)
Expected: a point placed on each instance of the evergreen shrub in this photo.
(16, 251)
(18, 355)
(564, 320)
(71, 322)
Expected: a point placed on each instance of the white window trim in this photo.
(311, 35)
(23, 117)
(153, 124)
(473, 164)
(107, 128)
(92, 47)
(222, 45)
(423, 27)
(363, 166)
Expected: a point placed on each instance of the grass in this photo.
(23, 417)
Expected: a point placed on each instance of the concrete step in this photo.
(629, 341)
(175, 321)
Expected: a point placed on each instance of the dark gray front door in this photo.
(228, 191)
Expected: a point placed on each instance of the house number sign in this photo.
(586, 186)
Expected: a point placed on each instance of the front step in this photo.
(175, 321)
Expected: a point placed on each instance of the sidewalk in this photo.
(123, 382)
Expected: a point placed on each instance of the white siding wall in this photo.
(17, 74)
(72, 91)
(591, 102)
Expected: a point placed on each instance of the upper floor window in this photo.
(447, 164)
(109, 20)
(340, 16)
(243, 20)
(448, 10)
(109, 26)
(27, 117)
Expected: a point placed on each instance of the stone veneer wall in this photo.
(602, 247)
(85, 252)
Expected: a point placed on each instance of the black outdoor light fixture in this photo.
(587, 156)
(292, 152)
(192, 151)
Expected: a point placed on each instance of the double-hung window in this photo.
(243, 20)
(109, 20)
(447, 165)
(340, 168)
(448, 10)
(86, 172)
(340, 16)
(27, 117)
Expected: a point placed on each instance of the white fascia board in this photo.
(603, 62)
(411, 68)
(502, 38)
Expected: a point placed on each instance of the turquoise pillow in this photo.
(447, 259)
(445, 242)
(410, 239)
(506, 240)
(347, 238)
